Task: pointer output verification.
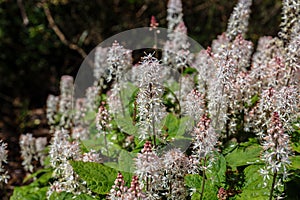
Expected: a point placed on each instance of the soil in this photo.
(11, 127)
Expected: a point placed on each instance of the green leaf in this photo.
(251, 141)
(172, 86)
(126, 161)
(126, 126)
(296, 146)
(39, 173)
(216, 174)
(95, 144)
(99, 178)
(90, 116)
(92, 129)
(195, 196)
(132, 106)
(47, 159)
(244, 156)
(128, 96)
(189, 70)
(229, 147)
(175, 127)
(183, 124)
(44, 178)
(171, 124)
(61, 196)
(37, 189)
(254, 99)
(210, 191)
(254, 188)
(98, 143)
(29, 192)
(193, 181)
(70, 196)
(295, 162)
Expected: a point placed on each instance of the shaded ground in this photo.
(9, 134)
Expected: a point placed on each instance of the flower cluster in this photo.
(175, 165)
(61, 151)
(148, 166)
(120, 191)
(92, 94)
(267, 63)
(91, 156)
(276, 149)
(174, 14)
(32, 149)
(239, 19)
(162, 176)
(206, 67)
(149, 98)
(66, 101)
(222, 73)
(114, 101)
(285, 102)
(290, 12)
(3, 159)
(226, 93)
(118, 60)
(80, 130)
(103, 123)
(135, 190)
(103, 119)
(52, 109)
(293, 55)
(205, 140)
(153, 23)
(194, 105)
(100, 63)
(176, 49)
(59, 108)
(27, 144)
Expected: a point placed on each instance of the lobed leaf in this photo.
(70, 196)
(241, 156)
(254, 188)
(99, 177)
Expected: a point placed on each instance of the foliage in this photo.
(35, 190)
(99, 177)
(225, 137)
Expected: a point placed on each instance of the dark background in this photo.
(33, 57)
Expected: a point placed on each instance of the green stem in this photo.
(205, 96)
(134, 113)
(170, 187)
(148, 180)
(147, 183)
(153, 129)
(153, 116)
(273, 185)
(106, 145)
(203, 180)
(274, 177)
(227, 128)
(219, 109)
(121, 102)
(289, 76)
(180, 83)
